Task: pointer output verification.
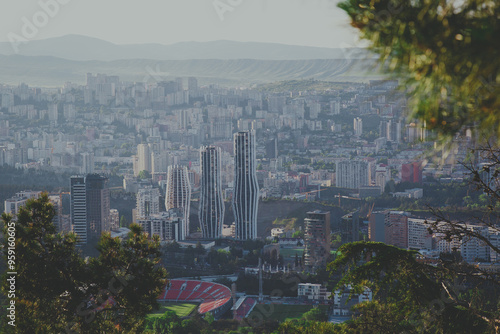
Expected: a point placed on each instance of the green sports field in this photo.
(281, 312)
(181, 309)
(290, 252)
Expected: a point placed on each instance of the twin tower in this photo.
(245, 193)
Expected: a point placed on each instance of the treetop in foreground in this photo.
(57, 291)
(447, 51)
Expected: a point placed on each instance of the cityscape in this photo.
(360, 200)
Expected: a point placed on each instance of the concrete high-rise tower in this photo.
(148, 202)
(317, 239)
(179, 194)
(246, 188)
(211, 211)
(352, 174)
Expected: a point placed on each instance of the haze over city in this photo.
(249, 166)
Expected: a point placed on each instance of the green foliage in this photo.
(315, 314)
(49, 271)
(390, 269)
(409, 295)
(57, 291)
(323, 165)
(168, 323)
(309, 327)
(180, 309)
(123, 221)
(200, 250)
(221, 261)
(448, 54)
(143, 174)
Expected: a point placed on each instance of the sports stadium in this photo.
(212, 297)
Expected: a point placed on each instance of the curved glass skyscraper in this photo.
(246, 188)
(178, 194)
(211, 210)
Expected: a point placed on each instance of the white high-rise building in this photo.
(391, 130)
(148, 202)
(166, 225)
(160, 162)
(335, 107)
(87, 163)
(382, 176)
(246, 188)
(12, 205)
(358, 126)
(314, 110)
(178, 194)
(474, 249)
(211, 210)
(53, 113)
(143, 158)
(352, 174)
(418, 234)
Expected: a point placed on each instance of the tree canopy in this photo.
(448, 53)
(412, 296)
(58, 291)
(447, 295)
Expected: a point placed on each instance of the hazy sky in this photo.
(298, 22)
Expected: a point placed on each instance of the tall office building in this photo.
(317, 239)
(352, 174)
(148, 202)
(246, 188)
(179, 194)
(90, 208)
(78, 209)
(211, 211)
(349, 227)
(97, 205)
(376, 226)
(272, 149)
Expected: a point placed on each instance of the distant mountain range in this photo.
(51, 71)
(52, 62)
(83, 48)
